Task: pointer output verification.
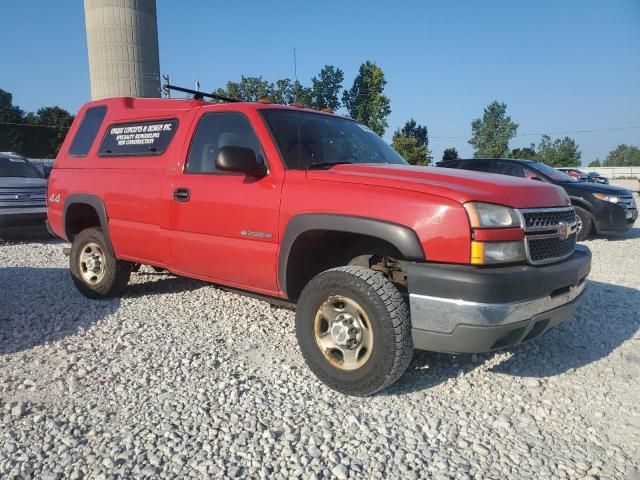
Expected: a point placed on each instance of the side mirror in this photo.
(241, 159)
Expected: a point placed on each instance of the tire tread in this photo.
(399, 327)
(116, 276)
(587, 224)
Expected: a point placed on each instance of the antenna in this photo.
(295, 65)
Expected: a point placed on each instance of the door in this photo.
(224, 225)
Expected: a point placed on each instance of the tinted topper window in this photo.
(138, 138)
(87, 131)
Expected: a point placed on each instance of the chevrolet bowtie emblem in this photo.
(563, 230)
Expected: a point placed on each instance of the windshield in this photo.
(308, 139)
(18, 167)
(552, 173)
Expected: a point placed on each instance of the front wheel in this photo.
(94, 271)
(584, 224)
(354, 330)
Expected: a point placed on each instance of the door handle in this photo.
(181, 194)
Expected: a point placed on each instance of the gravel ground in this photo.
(183, 379)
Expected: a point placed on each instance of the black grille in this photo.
(627, 202)
(548, 219)
(24, 196)
(548, 249)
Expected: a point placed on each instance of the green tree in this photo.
(559, 152)
(366, 101)
(525, 153)
(411, 150)
(58, 121)
(450, 154)
(252, 89)
(412, 142)
(36, 135)
(282, 92)
(412, 129)
(490, 135)
(301, 94)
(326, 88)
(249, 89)
(286, 91)
(11, 134)
(623, 156)
(595, 163)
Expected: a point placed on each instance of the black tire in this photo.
(116, 272)
(388, 313)
(586, 219)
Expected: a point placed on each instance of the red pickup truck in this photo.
(314, 208)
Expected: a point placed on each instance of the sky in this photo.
(560, 67)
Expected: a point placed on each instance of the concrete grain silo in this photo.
(122, 39)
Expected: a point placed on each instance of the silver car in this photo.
(22, 192)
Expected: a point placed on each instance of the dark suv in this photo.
(600, 209)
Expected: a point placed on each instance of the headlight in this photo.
(607, 198)
(486, 253)
(488, 215)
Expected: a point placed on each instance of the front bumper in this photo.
(459, 308)
(613, 218)
(22, 216)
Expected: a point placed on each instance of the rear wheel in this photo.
(354, 330)
(584, 224)
(94, 271)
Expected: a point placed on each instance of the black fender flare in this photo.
(585, 205)
(98, 206)
(581, 202)
(400, 236)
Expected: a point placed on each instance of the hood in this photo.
(458, 185)
(22, 182)
(595, 188)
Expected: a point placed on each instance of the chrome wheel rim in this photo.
(92, 263)
(343, 333)
(578, 224)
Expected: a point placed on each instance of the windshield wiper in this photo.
(317, 165)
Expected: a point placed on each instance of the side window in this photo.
(150, 137)
(449, 164)
(87, 131)
(217, 130)
(510, 169)
(476, 166)
(532, 174)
